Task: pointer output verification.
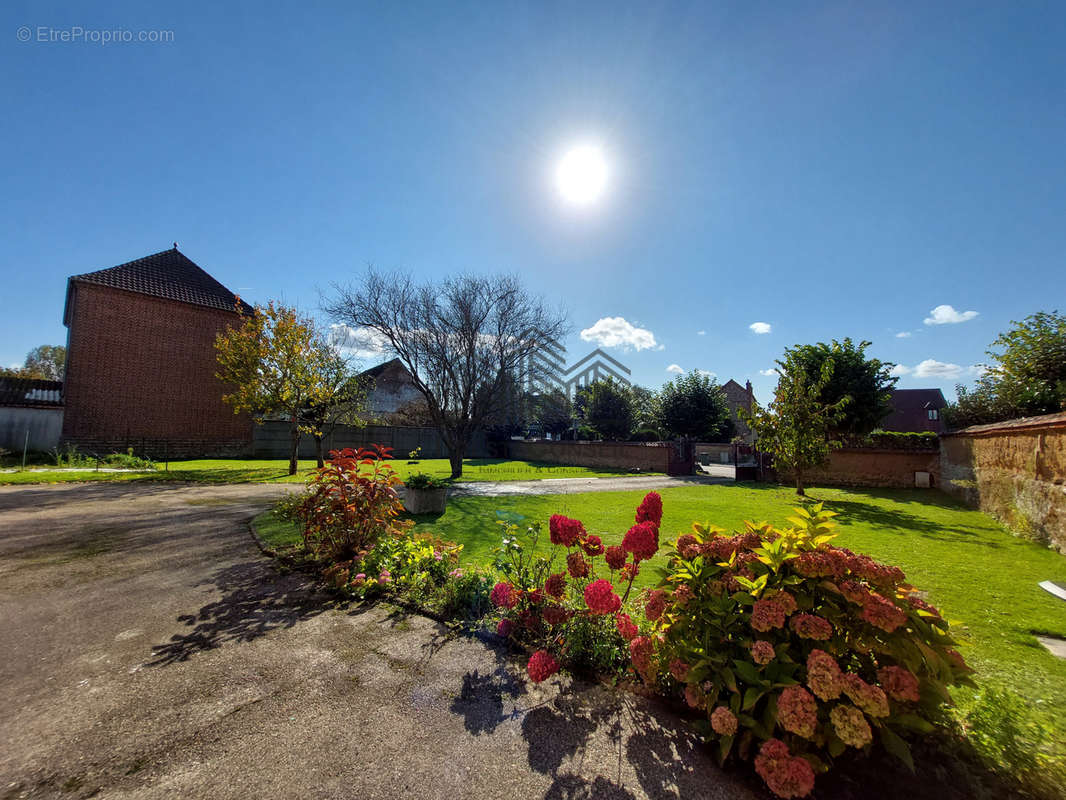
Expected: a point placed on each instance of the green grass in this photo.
(276, 471)
(982, 578)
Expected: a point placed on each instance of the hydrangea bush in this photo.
(569, 605)
(796, 650)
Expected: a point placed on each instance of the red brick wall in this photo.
(874, 468)
(141, 373)
(621, 455)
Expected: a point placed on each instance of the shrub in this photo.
(347, 512)
(810, 648)
(421, 480)
(566, 604)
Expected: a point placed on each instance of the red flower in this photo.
(824, 675)
(810, 626)
(786, 601)
(682, 594)
(723, 721)
(640, 652)
(565, 531)
(797, 711)
(576, 565)
(762, 652)
(650, 509)
(899, 682)
(766, 614)
(854, 592)
(503, 595)
(600, 597)
(555, 615)
(630, 570)
(541, 666)
(504, 628)
(626, 627)
(883, 613)
(655, 605)
(593, 545)
(615, 556)
(688, 547)
(785, 774)
(642, 540)
(679, 669)
(555, 586)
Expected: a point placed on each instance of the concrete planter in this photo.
(425, 501)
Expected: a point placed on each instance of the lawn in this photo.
(983, 579)
(276, 471)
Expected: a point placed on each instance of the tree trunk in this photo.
(318, 450)
(456, 459)
(799, 483)
(294, 452)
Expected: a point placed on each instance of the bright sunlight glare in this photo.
(581, 175)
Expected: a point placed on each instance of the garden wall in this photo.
(42, 424)
(645, 456)
(271, 440)
(873, 467)
(1015, 471)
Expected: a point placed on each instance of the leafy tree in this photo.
(608, 409)
(865, 380)
(276, 361)
(46, 362)
(553, 411)
(795, 428)
(693, 405)
(1027, 375)
(342, 402)
(466, 341)
(647, 411)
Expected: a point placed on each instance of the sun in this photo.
(581, 175)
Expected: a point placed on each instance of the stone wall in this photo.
(878, 468)
(646, 457)
(1015, 471)
(271, 440)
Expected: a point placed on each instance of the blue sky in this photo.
(828, 169)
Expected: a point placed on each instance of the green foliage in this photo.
(784, 631)
(795, 428)
(647, 411)
(866, 382)
(1026, 376)
(608, 409)
(351, 505)
(552, 411)
(46, 362)
(420, 480)
(896, 440)
(693, 405)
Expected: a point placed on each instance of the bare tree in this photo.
(466, 341)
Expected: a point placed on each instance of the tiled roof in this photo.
(170, 275)
(910, 410)
(30, 392)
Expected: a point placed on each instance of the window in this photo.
(934, 414)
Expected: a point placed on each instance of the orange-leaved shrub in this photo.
(796, 650)
(351, 504)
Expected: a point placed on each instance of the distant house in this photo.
(392, 390)
(141, 360)
(915, 411)
(738, 397)
(31, 413)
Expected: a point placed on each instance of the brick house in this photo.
(141, 360)
(736, 397)
(915, 411)
(393, 397)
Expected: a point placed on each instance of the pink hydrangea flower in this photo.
(640, 653)
(593, 546)
(642, 540)
(565, 531)
(679, 669)
(767, 615)
(576, 565)
(786, 601)
(555, 586)
(384, 577)
(555, 615)
(870, 699)
(615, 556)
(723, 721)
(541, 666)
(359, 579)
(626, 627)
(900, 683)
(601, 598)
(811, 626)
(688, 546)
(503, 595)
(693, 696)
(655, 605)
(762, 652)
(786, 775)
(651, 509)
(797, 711)
(851, 726)
(883, 613)
(682, 594)
(824, 675)
(504, 628)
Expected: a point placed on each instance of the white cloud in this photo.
(977, 370)
(760, 327)
(946, 315)
(701, 333)
(937, 369)
(617, 332)
(900, 370)
(674, 368)
(360, 342)
(706, 372)
(768, 372)
(904, 335)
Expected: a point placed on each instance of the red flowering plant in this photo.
(565, 604)
(796, 650)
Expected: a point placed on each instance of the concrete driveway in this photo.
(149, 650)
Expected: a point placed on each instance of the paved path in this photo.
(150, 651)
(643, 483)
